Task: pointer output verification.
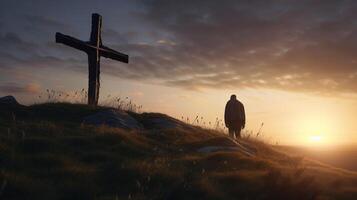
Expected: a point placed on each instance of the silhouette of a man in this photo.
(234, 117)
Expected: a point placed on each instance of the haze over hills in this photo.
(340, 156)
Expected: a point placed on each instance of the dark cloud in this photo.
(14, 49)
(43, 28)
(308, 46)
(11, 42)
(14, 88)
(42, 21)
(39, 62)
(113, 36)
(16, 52)
(292, 45)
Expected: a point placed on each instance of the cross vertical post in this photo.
(94, 60)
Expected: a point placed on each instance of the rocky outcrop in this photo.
(234, 146)
(161, 121)
(148, 121)
(8, 100)
(211, 149)
(113, 118)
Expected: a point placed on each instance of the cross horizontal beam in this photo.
(110, 53)
(72, 42)
(88, 47)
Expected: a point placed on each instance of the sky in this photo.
(292, 63)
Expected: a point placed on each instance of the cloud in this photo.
(224, 44)
(307, 46)
(17, 52)
(13, 88)
(13, 43)
(43, 23)
(113, 36)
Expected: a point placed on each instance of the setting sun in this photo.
(319, 123)
(315, 138)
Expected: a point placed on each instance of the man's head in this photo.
(233, 97)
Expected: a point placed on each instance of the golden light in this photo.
(316, 129)
(315, 138)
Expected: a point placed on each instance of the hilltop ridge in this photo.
(48, 152)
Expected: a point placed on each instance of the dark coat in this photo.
(234, 115)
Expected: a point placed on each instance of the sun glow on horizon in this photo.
(315, 138)
(319, 123)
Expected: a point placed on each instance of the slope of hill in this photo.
(46, 152)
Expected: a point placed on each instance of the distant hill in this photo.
(48, 152)
(341, 156)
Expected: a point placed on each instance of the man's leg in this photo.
(231, 132)
(237, 133)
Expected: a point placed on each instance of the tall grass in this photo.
(81, 96)
(200, 121)
(121, 103)
(56, 96)
(219, 126)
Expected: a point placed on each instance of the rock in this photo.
(8, 101)
(235, 147)
(211, 149)
(113, 118)
(245, 147)
(161, 121)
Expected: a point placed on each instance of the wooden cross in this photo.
(95, 49)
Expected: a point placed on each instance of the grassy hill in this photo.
(46, 152)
